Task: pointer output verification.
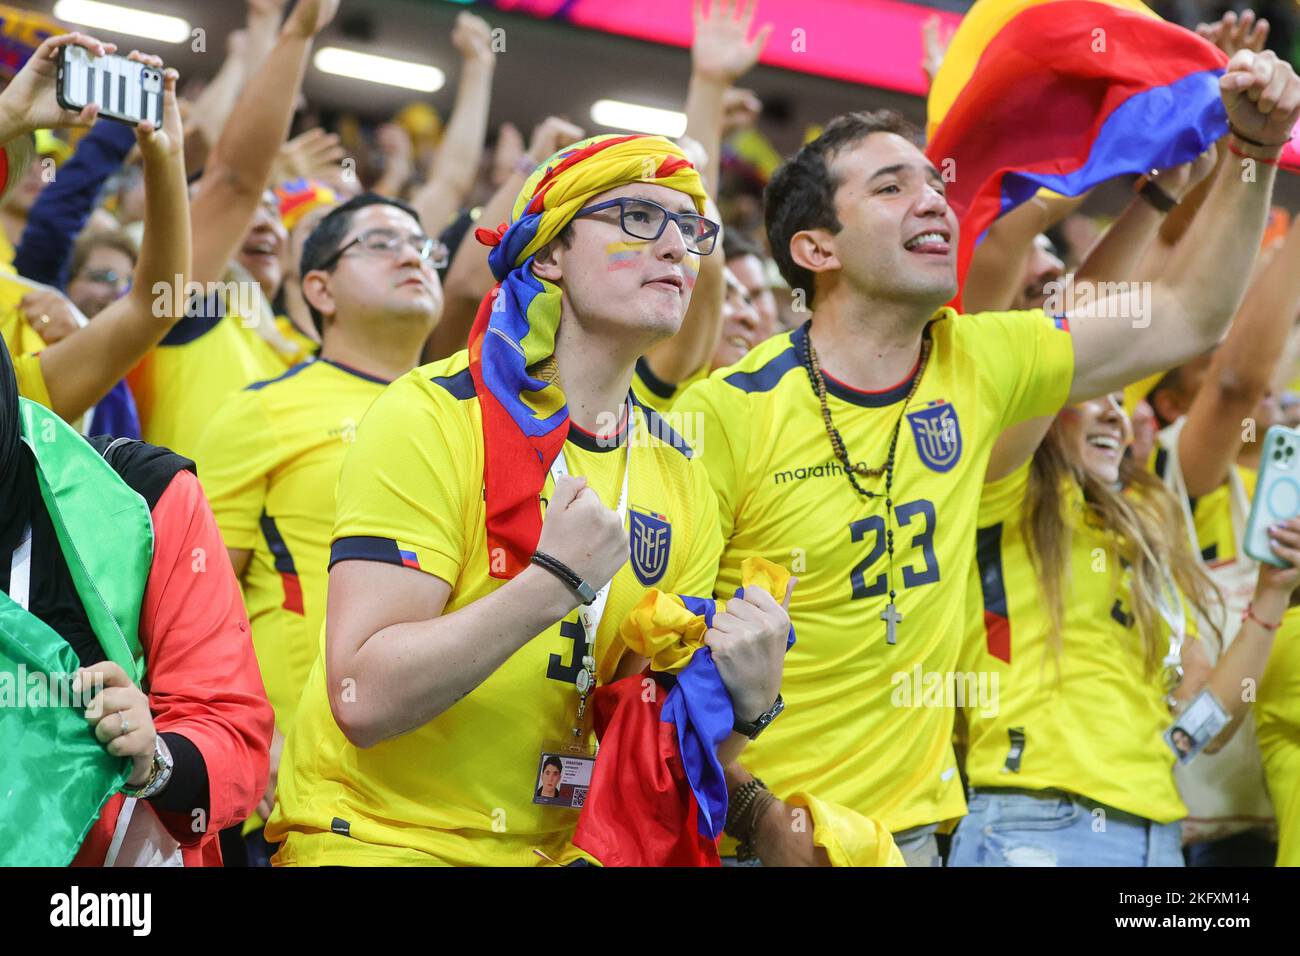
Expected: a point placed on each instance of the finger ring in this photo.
(45, 319)
(126, 727)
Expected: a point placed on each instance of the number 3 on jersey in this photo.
(922, 510)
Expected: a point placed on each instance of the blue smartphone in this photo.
(1277, 492)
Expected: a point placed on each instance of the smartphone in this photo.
(1277, 492)
(125, 90)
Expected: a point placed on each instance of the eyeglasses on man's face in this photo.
(388, 243)
(110, 277)
(643, 219)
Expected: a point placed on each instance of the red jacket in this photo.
(201, 674)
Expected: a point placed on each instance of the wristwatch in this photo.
(160, 773)
(760, 724)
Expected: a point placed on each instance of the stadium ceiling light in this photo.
(638, 118)
(379, 69)
(124, 20)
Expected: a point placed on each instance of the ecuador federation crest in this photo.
(651, 536)
(937, 434)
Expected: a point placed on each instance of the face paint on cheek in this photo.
(622, 255)
(690, 270)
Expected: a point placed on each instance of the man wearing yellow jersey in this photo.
(272, 454)
(229, 338)
(911, 398)
(421, 733)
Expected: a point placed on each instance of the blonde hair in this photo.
(1147, 533)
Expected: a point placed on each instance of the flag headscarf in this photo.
(525, 418)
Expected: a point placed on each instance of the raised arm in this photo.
(998, 265)
(1191, 304)
(237, 170)
(456, 165)
(721, 53)
(1241, 370)
(80, 369)
(1242, 665)
(246, 50)
(1121, 251)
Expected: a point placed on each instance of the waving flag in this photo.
(525, 418)
(1064, 95)
(657, 794)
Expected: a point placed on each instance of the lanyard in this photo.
(20, 571)
(591, 614)
(1174, 612)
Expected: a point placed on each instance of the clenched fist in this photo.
(581, 532)
(1262, 96)
(748, 641)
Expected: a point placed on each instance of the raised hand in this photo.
(310, 17)
(161, 144)
(722, 49)
(1262, 96)
(934, 41)
(472, 38)
(314, 154)
(549, 135)
(1231, 34)
(29, 102)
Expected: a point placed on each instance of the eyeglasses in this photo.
(643, 219)
(388, 243)
(106, 277)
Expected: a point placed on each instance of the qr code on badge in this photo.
(579, 798)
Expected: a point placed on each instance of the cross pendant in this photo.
(891, 617)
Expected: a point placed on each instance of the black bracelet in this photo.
(566, 574)
(1254, 142)
(1160, 200)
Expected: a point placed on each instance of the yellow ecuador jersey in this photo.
(654, 392)
(206, 357)
(1094, 726)
(1277, 719)
(459, 789)
(784, 496)
(271, 459)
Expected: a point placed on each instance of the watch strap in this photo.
(752, 730)
(1155, 196)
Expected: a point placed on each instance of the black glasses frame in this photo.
(702, 248)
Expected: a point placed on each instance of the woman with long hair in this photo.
(1080, 616)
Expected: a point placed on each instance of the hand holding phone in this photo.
(30, 103)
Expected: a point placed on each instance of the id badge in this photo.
(563, 774)
(1196, 726)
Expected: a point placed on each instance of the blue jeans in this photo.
(1053, 828)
